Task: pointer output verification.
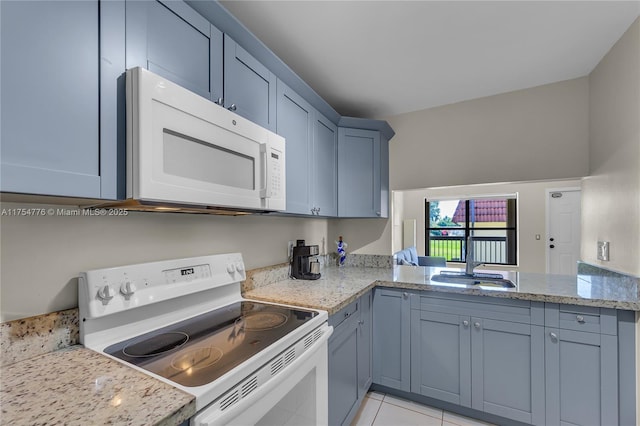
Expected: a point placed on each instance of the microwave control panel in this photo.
(276, 172)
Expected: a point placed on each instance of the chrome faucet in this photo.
(471, 264)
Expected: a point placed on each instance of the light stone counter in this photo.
(76, 386)
(340, 286)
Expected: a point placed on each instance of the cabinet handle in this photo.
(361, 322)
(220, 101)
(553, 336)
(378, 213)
(233, 107)
(580, 319)
(465, 323)
(476, 324)
(405, 294)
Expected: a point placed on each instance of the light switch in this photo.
(603, 250)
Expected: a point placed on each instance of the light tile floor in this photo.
(379, 409)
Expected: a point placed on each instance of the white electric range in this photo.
(185, 322)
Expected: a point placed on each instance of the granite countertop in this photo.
(77, 386)
(340, 286)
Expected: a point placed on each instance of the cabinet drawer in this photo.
(581, 318)
(343, 314)
(522, 311)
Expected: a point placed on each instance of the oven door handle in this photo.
(254, 406)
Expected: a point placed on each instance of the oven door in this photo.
(297, 395)
(185, 149)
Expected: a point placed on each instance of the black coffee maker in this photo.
(304, 264)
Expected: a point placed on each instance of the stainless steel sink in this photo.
(477, 278)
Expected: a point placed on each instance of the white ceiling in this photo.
(377, 59)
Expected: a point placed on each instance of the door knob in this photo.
(552, 246)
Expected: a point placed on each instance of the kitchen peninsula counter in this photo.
(340, 286)
(77, 386)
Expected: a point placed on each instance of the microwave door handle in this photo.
(265, 192)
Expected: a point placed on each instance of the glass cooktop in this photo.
(197, 351)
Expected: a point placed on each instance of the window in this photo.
(490, 221)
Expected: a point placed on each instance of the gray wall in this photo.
(41, 257)
(611, 196)
(539, 133)
(532, 134)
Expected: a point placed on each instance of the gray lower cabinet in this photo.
(474, 355)
(441, 356)
(349, 360)
(526, 361)
(392, 338)
(581, 366)
(507, 369)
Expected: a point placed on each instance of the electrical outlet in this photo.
(603, 250)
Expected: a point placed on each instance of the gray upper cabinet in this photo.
(50, 133)
(361, 155)
(172, 40)
(392, 339)
(295, 124)
(324, 185)
(311, 143)
(63, 67)
(249, 87)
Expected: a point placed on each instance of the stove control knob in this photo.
(105, 293)
(230, 268)
(239, 266)
(128, 288)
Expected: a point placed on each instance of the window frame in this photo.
(511, 243)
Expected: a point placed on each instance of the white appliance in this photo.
(184, 322)
(185, 152)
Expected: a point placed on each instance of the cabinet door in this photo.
(581, 378)
(441, 356)
(324, 184)
(358, 173)
(364, 345)
(172, 40)
(343, 371)
(295, 124)
(248, 85)
(391, 339)
(507, 364)
(384, 176)
(50, 98)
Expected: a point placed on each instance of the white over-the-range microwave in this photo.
(186, 153)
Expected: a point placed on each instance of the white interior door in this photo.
(563, 237)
